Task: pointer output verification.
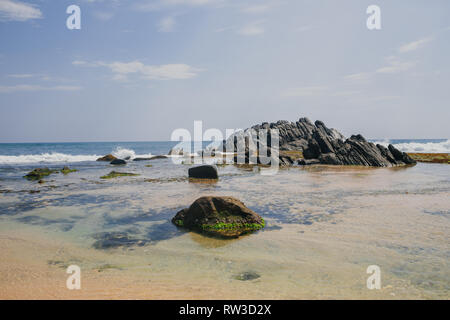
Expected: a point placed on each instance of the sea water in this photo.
(325, 226)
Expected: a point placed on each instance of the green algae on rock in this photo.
(38, 173)
(224, 217)
(67, 170)
(116, 174)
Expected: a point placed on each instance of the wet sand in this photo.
(325, 226)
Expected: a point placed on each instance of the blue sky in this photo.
(138, 69)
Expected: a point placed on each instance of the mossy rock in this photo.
(67, 170)
(223, 217)
(115, 174)
(107, 158)
(39, 173)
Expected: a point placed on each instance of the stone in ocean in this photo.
(224, 217)
(204, 172)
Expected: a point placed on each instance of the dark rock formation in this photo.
(142, 159)
(224, 217)
(107, 158)
(203, 172)
(353, 151)
(118, 162)
(319, 144)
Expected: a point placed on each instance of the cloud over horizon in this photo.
(11, 10)
(122, 70)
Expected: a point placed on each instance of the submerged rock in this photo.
(204, 172)
(115, 174)
(224, 217)
(159, 157)
(118, 162)
(142, 159)
(247, 276)
(107, 158)
(67, 170)
(112, 240)
(38, 173)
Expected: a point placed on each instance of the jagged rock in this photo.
(319, 144)
(203, 172)
(219, 216)
(286, 160)
(107, 158)
(118, 162)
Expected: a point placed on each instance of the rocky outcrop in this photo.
(224, 217)
(320, 145)
(295, 135)
(203, 172)
(356, 150)
(107, 158)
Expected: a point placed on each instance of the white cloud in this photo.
(259, 8)
(166, 24)
(305, 91)
(18, 11)
(395, 65)
(412, 46)
(153, 5)
(103, 16)
(362, 76)
(252, 29)
(30, 88)
(122, 70)
(21, 75)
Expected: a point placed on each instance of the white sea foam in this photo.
(420, 147)
(46, 157)
(56, 157)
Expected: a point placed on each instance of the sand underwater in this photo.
(325, 226)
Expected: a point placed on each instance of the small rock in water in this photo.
(159, 157)
(38, 173)
(223, 217)
(67, 170)
(203, 172)
(118, 162)
(107, 158)
(247, 276)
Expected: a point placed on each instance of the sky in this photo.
(139, 69)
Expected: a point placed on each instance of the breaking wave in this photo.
(420, 147)
(46, 157)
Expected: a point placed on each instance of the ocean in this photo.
(55, 153)
(325, 226)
